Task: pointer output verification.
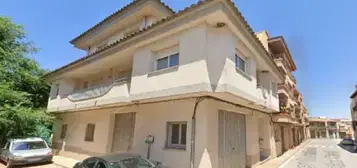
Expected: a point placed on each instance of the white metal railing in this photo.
(94, 91)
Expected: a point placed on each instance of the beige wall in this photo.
(206, 64)
(151, 119)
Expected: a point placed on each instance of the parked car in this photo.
(118, 160)
(22, 151)
(349, 145)
(347, 142)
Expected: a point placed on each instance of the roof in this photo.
(112, 157)
(117, 13)
(290, 58)
(25, 139)
(162, 21)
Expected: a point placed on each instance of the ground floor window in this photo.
(89, 136)
(63, 131)
(176, 134)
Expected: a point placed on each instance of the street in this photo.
(322, 153)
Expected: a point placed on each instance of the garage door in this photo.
(123, 132)
(232, 140)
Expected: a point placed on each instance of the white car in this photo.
(22, 151)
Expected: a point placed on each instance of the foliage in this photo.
(23, 93)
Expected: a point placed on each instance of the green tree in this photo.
(23, 92)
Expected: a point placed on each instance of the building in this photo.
(196, 85)
(291, 123)
(353, 107)
(322, 127)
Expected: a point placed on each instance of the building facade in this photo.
(353, 108)
(322, 127)
(291, 124)
(198, 84)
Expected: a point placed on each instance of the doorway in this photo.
(123, 132)
(232, 140)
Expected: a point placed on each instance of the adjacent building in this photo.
(322, 127)
(197, 84)
(291, 123)
(353, 108)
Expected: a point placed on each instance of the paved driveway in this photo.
(322, 153)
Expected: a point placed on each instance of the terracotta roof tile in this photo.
(185, 10)
(120, 11)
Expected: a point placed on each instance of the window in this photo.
(63, 131)
(136, 162)
(274, 89)
(241, 63)
(56, 90)
(169, 61)
(89, 163)
(85, 85)
(176, 136)
(89, 136)
(101, 165)
(7, 145)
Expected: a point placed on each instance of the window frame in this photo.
(57, 87)
(168, 57)
(63, 134)
(237, 62)
(169, 143)
(87, 136)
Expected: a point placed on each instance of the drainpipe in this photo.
(193, 132)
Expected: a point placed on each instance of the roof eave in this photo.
(118, 12)
(291, 60)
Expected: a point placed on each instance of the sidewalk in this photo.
(276, 162)
(64, 162)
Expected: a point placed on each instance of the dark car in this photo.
(118, 160)
(349, 145)
(347, 142)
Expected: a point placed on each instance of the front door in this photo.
(123, 132)
(282, 139)
(232, 140)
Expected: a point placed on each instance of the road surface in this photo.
(322, 153)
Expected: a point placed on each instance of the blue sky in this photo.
(321, 36)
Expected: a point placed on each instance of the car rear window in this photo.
(29, 145)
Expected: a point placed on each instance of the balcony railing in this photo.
(94, 91)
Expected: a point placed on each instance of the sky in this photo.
(321, 35)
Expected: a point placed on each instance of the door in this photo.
(282, 139)
(232, 140)
(123, 132)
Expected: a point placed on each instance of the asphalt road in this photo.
(322, 153)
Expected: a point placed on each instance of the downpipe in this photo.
(193, 132)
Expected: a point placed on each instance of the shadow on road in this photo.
(349, 148)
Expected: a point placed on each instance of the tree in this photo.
(23, 91)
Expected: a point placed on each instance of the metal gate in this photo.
(123, 132)
(232, 140)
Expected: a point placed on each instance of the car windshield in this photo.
(29, 145)
(134, 162)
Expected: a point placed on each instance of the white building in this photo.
(189, 79)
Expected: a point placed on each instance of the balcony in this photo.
(102, 94)
(286, 89)
(95, 91)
